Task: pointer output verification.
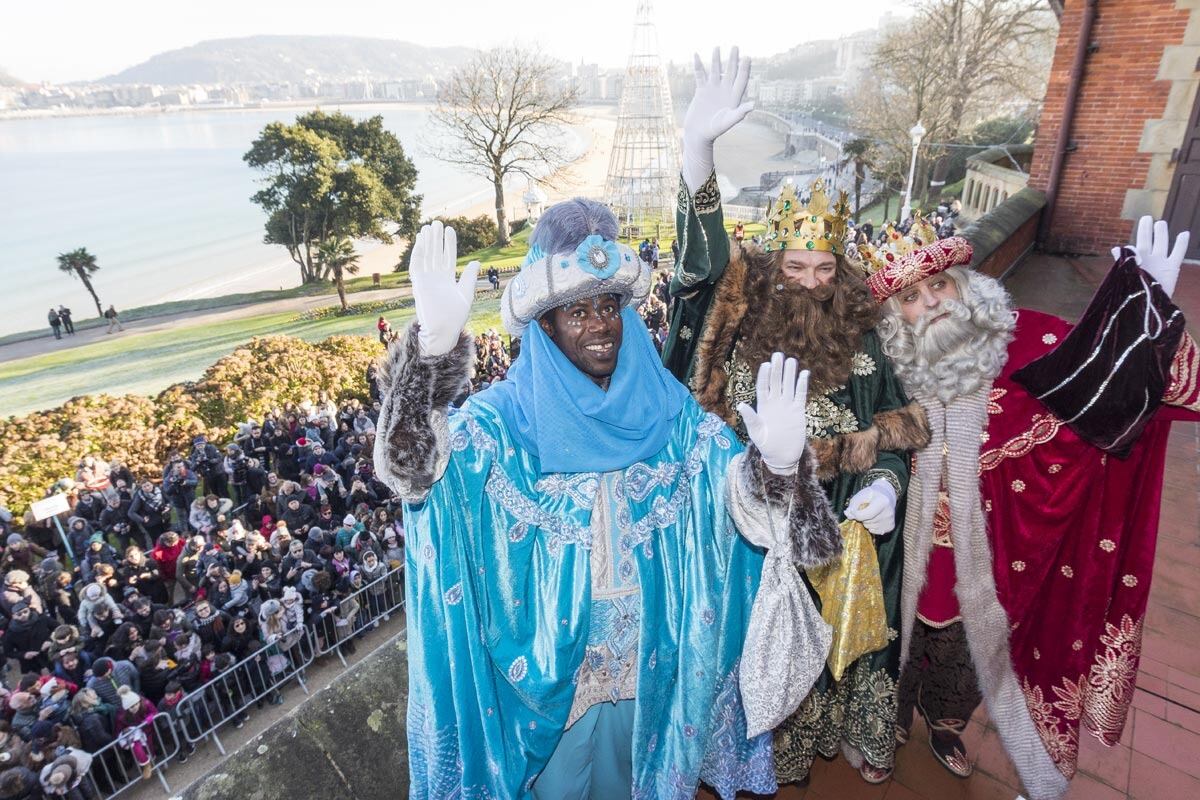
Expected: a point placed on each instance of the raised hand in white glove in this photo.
(1151, 254)
(443, 303)
(718, 105)
(875, 507)
(778, 425)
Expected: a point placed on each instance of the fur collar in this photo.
(902, 429)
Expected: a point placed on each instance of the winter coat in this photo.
(203, 519)
(87, 611)
(150, 510)
(167, 557)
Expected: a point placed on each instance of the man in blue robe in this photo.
(603, 596)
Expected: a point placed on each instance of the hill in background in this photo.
(283, 59)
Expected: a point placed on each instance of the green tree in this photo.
(499, 115)
(82, 265)
(858, 152)
(328, 177)
(337, 257)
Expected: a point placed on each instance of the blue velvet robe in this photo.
(498, 593)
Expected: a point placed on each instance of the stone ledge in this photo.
(1003, 235)
(347, 740)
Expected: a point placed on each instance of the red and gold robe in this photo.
(1072, 532)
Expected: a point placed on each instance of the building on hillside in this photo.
(992, 177)
(1131, 144)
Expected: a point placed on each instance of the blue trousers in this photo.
(594, 758)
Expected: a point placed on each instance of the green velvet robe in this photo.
(861, 708)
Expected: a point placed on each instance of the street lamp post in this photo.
(917, 133)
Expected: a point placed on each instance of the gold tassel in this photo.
(851, 594)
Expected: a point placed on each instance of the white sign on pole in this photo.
(52, 506)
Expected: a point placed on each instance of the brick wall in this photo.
(1119, 94)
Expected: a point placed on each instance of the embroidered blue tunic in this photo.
(500, 607)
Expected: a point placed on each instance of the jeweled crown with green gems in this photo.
(815, 225)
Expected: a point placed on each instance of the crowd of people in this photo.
(161, 582)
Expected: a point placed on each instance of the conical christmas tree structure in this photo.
(643, 171)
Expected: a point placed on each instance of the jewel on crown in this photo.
(815, 225)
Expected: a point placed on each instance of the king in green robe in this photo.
(728, 309)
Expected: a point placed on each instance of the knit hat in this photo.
(235, 577)
(96, 538)
(349, 520)
(16, 576)
(129, 698)
(102, 666)
(93, 592)
(15, 539)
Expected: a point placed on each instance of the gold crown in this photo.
(922, 230)
(895, 245)
(813, 226)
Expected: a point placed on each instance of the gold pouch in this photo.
(852, 599)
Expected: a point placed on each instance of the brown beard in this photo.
(821, 328)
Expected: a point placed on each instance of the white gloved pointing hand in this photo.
(1151, 254)
(875, 507)
(718, 105)
(443, 304)
(778, 426)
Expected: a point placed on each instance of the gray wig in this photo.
(960, 354)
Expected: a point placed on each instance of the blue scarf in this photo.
(572, 425)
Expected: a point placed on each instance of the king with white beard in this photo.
(1030, 529)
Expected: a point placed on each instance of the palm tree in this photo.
(338, 257)
(82, 265)
(858, 152)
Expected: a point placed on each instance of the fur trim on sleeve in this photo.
(411, 435)
(812, 526)
(900, 429)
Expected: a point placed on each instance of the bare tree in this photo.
(501, 115)
(955, 64)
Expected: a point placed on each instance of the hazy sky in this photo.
(66, 40)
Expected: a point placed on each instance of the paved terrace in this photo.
(1158, 757)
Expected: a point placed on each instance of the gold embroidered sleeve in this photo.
(1184, 389)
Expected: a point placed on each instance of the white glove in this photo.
(1150, 252)
(718, 105)
(778, 427)
(443, 304)
(875, 507)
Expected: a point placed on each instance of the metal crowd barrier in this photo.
(113, 767)
(376, 600)
(228, 695)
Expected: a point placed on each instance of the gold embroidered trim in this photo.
(1184, 389)
(1110, 682)
(1044, 428)
(707, 198)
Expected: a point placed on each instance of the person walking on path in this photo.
(64, 314)
(55, 323)
(111, 316)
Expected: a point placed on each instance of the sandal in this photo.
(949, 750)
(875, 775)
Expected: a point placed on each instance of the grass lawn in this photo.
(147, 363)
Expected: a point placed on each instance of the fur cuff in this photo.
(901, 429)
(415, 393)
(812, 525)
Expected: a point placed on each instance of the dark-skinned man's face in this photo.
(588, 332)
